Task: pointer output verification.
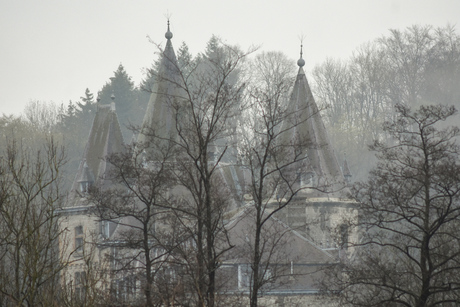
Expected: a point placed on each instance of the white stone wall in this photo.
(90, 259)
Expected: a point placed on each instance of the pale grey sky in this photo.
(54, 50)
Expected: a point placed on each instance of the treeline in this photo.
(71, 123)
(416, 66)
(405, 69)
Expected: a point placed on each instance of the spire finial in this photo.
(301, 61)
(168, 34)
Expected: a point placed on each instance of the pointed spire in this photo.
(305, 131)
(160, 118)
(301, 61)
(168, 34)
(105, 138)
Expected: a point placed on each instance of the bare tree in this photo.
(41, 115)
(406, 55)
(30, 196)
(171, 197)
(413, 66)
(264, 155)
(136, 197)
(87, 286)
(276, 151)
(205, 122)
(409, 253)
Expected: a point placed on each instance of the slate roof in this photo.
(305, 129)
(160, 122)
(104, 139)
(159, 119)
(298, 248)
(298, 261)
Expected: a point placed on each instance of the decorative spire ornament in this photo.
(301, 61)
(168, 34)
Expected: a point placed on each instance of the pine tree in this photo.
(87, 106)
(125, 96)
(185, 59)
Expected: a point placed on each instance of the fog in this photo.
(53, 51)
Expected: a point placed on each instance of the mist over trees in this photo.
(408, 253)
(380, 96)
(415, 66)
(30, 195)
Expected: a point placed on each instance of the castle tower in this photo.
(105, 138)
(168, 105)
(82, 231)
(308, 135)
(322, 209)
(159, 124)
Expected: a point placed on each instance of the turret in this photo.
(105, 138)
(307, 137)
(159, 125)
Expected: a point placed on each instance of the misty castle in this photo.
(197, 178)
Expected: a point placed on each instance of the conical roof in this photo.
(159, 123)
(305, 132)
(105, 138)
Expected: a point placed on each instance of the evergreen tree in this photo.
(185, 59)
(128, 110)
(87, 106)
(213, 50)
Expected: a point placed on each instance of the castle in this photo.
(315, 224)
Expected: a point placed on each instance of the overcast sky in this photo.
(54, 50)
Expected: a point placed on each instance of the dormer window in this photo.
(306, 179)
(84, 186)
(86, 179)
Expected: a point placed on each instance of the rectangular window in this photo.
(79, 230)
(105, 229)
(244, 276)
(80, 281)
(79, 238)
(80, 278)
(322, 218)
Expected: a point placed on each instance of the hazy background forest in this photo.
(40, 149)
(412, 66)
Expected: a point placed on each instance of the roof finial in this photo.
(112, 104)
(301, 61)
(168, 34)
